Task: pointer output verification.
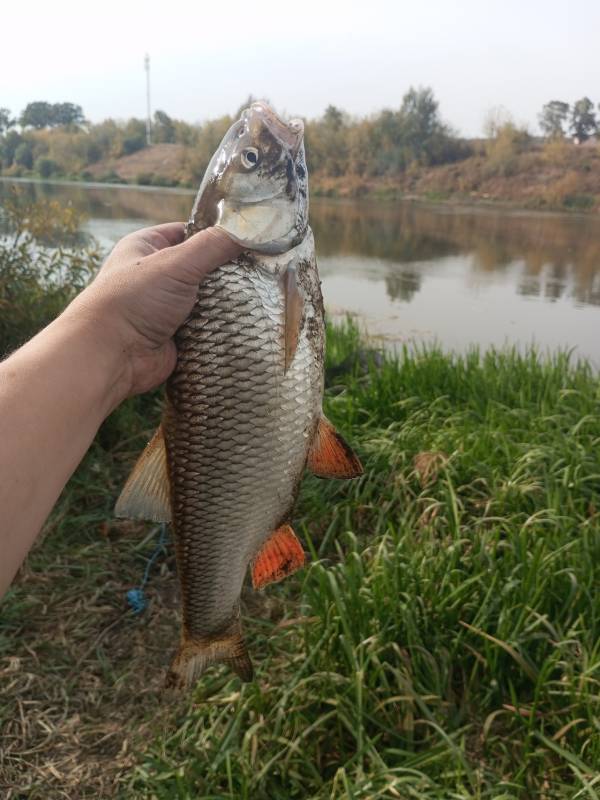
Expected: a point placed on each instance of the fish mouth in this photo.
(290, 133)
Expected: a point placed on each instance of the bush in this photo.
(46, 167)
(162, 180)
(24, 155)
(579, 202)
(143, 179)
(44, 263)
(504, 148)
(558, 193)
(556, 151)
(131, 144)
(111, 177)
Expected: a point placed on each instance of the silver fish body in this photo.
(238, 426)
(243, 413)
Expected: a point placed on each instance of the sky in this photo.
(206, 58)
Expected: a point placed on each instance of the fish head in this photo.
(256, 186)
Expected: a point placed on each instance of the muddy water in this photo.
(412, 272)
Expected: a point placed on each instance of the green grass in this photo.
(444, 641)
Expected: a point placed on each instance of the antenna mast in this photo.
(148, 117)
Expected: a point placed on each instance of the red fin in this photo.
(329, 455)
(280, 555)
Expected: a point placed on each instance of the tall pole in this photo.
(148, 117)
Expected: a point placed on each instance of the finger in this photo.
(191, 260)
(172, 232)
(149, 240)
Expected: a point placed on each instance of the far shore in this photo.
(472, 201)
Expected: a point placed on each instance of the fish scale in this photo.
(235, 420)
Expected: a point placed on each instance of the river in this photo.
(412, 272)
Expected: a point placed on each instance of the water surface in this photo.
(416, 272)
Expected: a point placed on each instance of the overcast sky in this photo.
(206, 57)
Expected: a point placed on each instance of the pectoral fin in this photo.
(330, 456)
(146, 493)
(280, 555)
(294, 309)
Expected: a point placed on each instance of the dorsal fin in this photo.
(279, 556)
(330, 456)
(146, 492)
(294, 309)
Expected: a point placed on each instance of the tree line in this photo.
(56, 139)
(557, 118)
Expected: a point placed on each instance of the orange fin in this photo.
(294, 309)
(330, 456)
(196, 655)
(280, 555)
(146, 492)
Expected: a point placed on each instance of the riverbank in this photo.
(555, 176)
(442, 641)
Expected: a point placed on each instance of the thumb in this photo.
(190, 261)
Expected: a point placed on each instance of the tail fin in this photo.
(195, 655)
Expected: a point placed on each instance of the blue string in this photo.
(136, 597)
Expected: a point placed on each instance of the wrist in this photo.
(95, 342)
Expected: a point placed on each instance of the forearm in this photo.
(54, 393)
(114, 340)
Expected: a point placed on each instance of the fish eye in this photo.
(250, 157)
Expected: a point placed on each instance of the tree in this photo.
(67, 114)
(422, 132)
(8, 147)
(326, 141)
(553, 117)
(24, 155)
(163, 129)
(38, 114)
(333, 117)
(45, 166)
(583, 119)
(134, 136)
(420, 110)
(6, 121)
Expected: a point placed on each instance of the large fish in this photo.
(243, 411)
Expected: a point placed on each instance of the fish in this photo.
(243, 412)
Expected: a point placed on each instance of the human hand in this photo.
(143, 293)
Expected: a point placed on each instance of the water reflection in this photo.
(461, 275)
(559, 252)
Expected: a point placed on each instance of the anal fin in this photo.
(280, 556)
(330, 456)
(146, 492)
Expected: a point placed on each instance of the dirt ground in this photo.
(161, 160)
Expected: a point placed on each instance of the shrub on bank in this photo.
(43, 264)
(46, 167)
